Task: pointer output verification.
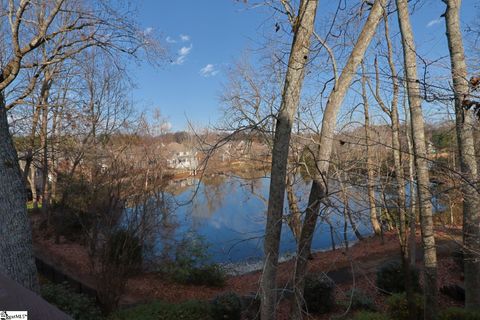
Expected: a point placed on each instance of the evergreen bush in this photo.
(319, 294)
(158, 310)
(357, 299)
(211, 275)
(459, 314)
(397, 306)
(227, 306)
(367, 315)
(78, 306)
(391, 277)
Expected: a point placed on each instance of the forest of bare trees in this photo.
(353, 123)
(385, 82)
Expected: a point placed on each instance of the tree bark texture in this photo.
(300, 49)
(319, 187)
(370, 166)
(421, 162)
(466, 149)
(16, 250)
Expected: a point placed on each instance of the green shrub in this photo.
(227, 306)
(357, 299)
(442, 138)
(211, 275)
(124, 249)
(191, 252)
(251, 306)
(391, 277)
(319, 294)
(459, 314)
(158, 310)
(70, 223)
(78, 306)
(365, 315)
(191, 264)
(397, 306)
(120, 258)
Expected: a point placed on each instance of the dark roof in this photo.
(14, 297)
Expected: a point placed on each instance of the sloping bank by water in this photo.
(245, 267)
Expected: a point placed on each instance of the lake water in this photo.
(229, 213)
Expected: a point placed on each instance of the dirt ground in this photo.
(352, 268)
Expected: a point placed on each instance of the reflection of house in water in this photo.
(182, 183)
(180, 157)
(178, 186)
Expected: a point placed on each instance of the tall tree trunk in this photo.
(53, 169)
(56, 124)
(31, 147)
(412, 212)
(420, 151)
(348, 212)
(399, 180)
(16, 250)
(29, 173)
(370, 170)
(398, 167)
(290, 100)
(43, 105)
(44, 148)
(32, 180)
(332, 231)
(39, 108)
(398, 163)
(318, 189)
(466, 150)
(294, 218)
(396, 143)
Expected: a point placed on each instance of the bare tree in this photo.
(318, 190)
(421, 161)
(27, 26)
(370, 169)
(303, 30)
(466, 150)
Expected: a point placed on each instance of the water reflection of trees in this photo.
(239, 201)
(152, 216)
(210, 196)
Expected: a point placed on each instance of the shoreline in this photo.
(235, 269)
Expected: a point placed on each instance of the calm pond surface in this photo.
(229, 213)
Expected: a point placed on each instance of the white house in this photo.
(181, 157)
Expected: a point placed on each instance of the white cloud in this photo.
(184, 51)
(181, 38)
(182, 54)
(166, 126)
(170, 40)
(434, 22)
(209, 71)
(147, 31)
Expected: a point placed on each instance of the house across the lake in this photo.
(181, 157)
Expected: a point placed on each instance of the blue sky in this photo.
(204, 37)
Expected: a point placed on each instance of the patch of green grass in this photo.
(77, 305)
(31, 208)
(159, 310)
